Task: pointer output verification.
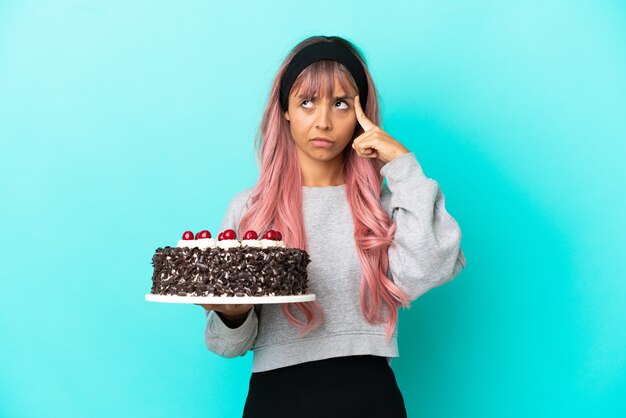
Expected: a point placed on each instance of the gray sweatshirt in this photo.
(426, 253)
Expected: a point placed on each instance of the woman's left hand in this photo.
(374, 142)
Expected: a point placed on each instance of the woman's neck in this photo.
(316, 173)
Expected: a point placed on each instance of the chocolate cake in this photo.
(201, 266)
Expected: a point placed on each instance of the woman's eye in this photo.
(303, 104)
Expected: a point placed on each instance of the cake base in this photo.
(150, 297)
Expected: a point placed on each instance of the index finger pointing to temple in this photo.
(360, 115)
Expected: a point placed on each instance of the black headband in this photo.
(323, 51)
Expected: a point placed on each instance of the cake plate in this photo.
(150, 297)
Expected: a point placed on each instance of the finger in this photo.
(369, 153)
(359, 139)
(361, 144)
(360, 115)
(365, 151)
(359, 148)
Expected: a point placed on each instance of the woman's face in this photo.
(332, 118)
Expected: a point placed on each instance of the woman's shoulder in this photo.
(238, 205)
(244, 193)
(242, 198)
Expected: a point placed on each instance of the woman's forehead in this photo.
(337, 94)
(312, 85)
(337, 91)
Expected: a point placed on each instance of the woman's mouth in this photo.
(322, 142)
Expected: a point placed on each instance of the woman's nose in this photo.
(323, 118)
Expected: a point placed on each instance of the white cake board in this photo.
(229, 299)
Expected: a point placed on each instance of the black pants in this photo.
(354, 386)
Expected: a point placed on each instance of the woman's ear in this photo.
(287, 116)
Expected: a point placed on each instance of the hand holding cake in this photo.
(230, 311)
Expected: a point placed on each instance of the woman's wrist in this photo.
(400, 153)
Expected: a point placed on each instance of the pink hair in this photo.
(277, 197)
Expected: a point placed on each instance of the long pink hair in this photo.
(277, 197)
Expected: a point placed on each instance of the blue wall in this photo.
(124, 123)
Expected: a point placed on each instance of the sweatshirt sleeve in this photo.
(219, 338)
(426, 250)
(230, 342)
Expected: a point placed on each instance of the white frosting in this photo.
(228, 243)
(202, 243)
(266, 243)
(190, 243)
(252, 243)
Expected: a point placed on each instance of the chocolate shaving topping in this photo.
(240, 271)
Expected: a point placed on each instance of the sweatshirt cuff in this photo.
(220, 328)
(403, 168)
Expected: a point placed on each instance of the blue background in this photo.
(124, 123)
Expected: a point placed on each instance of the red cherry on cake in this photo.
(220, 236)
(279, 236)
(251, 235)
(188, 235)
(271, 234)
(203, 234)
(229, 234)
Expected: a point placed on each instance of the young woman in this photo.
(373, 249)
